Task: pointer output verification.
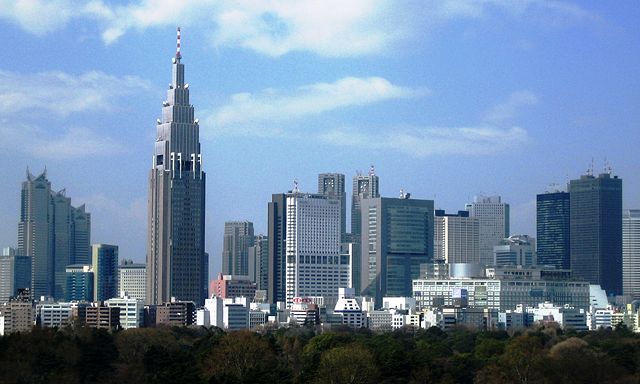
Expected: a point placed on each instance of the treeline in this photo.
(306, 355)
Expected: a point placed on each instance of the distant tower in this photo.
(553, 229)
(456, 237)
(176, 265)
(332, 186)
(631, 253)
(35, 232)
(238, 237)
(596, 230)
(314, 266)
(105, 271)
(493, 215)
(364, 187)
(53, 232)
(398, 240)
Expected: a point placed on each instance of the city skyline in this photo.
(457, 100)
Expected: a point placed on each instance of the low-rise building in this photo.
(131, 310)
(51, 314)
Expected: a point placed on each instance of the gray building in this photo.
(332, 186)
(53, 232)
(515, 250)
(504, 288)
(176, 258)
(364, 187)
(457, 237)
(398, 239)
(631, 253)
(238, 238)
(596, 230)
(259, 254)
(553, 229)
(15, 274)
(493, 216)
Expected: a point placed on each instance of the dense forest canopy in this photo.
(303, 355)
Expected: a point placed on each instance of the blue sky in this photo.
(449, 99)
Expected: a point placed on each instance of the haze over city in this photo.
(447, 99)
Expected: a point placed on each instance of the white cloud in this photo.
(62, 93)
(422, 142)
(510, 107)
(273, 106)
(72, 143)
(332, 28)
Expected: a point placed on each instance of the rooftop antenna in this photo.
(607, 166)
(590, 170)
(401, 193)
(295, 186)
(178, 56)
(372, 170)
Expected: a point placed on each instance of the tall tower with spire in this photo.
(175, 255)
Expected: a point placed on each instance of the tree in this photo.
(351, 364)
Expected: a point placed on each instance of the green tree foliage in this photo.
(350, 364)
(312, 355)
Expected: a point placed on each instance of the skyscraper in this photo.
(457, 237)
(332, 186)
(132, 279)
(176, 256)
(53, 232)
(399, 238)
(553, 229)
(631, 253)
(596, 230)
(314, 266)
(105, 271)
(35, 232)
(15, 274)
(277, 223)
(259, 253)
(364, 187)
(238, 237)
(493, 216)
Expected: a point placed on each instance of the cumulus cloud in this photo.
(509, 108)
(332, 28)
(62, 93)
(423, 142)
(70, 144)
(274, 106)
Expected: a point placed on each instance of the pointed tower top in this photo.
(178, 55)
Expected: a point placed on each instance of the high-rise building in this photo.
(35, 232)
(596, 230)
(364, 187)
(332, 186)
(399, 238)
(553, 229)
(277, 223)
(132, 279)
(259, 262)
(631, 253)
(515, 250)
(314, 266)
(53, 232)
(15, 274)
(105, 271)
(176, 255)
(456, 237)
(493, 216)
(238, 237)
(80, 283)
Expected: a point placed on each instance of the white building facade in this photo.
(631, 253)
(314, 266)
(493, 217)
(132, 279)
(456, 237)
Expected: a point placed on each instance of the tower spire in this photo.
(178, 56)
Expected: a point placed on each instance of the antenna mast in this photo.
(178, 56)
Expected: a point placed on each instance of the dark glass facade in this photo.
(596, 230)
(553, 229)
